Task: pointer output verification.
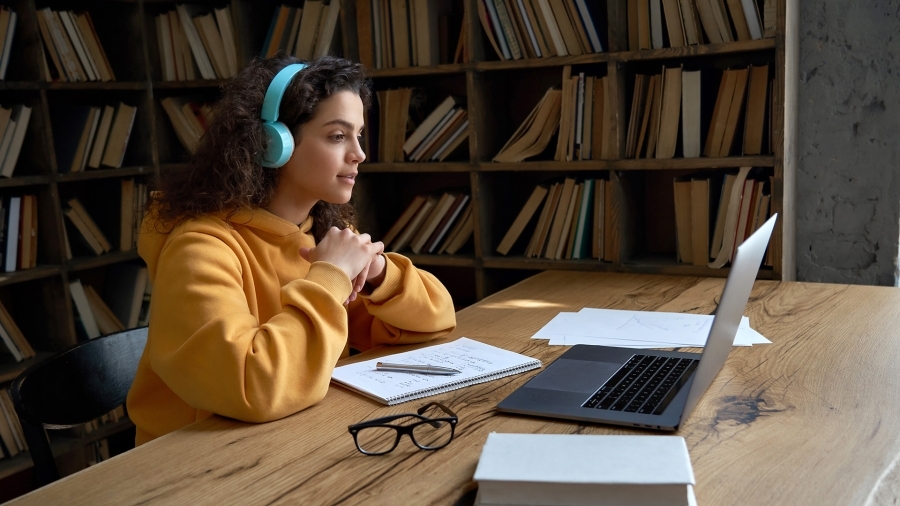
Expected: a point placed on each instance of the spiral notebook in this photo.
(478, 363)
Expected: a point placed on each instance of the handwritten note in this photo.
(478, 362)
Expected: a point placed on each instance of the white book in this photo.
(84, 309)
(553, 28)
(90, 67)
(751, 14)
(7, 44)
(22, 114)
(582, 469)
(196, 44)
(589, 26)
(478, 363)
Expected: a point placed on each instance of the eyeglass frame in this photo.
(405, 429)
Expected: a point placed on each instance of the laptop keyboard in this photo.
(645, 384)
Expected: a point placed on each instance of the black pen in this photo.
(416, 369)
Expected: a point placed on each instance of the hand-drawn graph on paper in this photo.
(664, 324)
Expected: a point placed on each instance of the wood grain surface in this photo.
(807, 420)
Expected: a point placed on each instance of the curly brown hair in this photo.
(224, 172)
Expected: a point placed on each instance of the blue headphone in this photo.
(281, 141)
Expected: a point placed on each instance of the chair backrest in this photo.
(72, 387)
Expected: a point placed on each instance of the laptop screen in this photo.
(729, 312)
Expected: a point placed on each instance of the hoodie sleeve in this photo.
(410, 306)
(212, 352)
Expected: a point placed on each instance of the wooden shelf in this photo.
(24, 181)
(112, 257)
(374, 167)
(106, 173)
(39, 272)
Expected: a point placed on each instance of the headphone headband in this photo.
(281, 142)
(272, 102)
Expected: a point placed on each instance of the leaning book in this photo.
(476, 361)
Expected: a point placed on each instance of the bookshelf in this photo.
(499, 94)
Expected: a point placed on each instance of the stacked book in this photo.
(543, 28)
(192, 42)
(12, 438)
(656, 24)
(190, 118)
(74, 47)
(407, 33)
(18, 232)
(126, 288)
(572, 223)
(676, 101)
(432, 224)
(714, 214)
(306, 32)
(13, 339)
(86, 228)
(7, 32)
(91, 136)
(13, 127)
(442, 131)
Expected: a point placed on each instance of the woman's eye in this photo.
(338, 137)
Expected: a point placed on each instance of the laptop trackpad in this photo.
(574, 375)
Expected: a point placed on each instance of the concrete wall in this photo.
(848, 180)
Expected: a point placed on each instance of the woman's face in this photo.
(326, 154)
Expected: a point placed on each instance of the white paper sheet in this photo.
(638, 329)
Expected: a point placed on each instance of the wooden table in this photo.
(810, 419)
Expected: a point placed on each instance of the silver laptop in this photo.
(643, 388)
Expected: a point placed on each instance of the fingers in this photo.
(304, 253)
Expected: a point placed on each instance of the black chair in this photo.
(72, 387)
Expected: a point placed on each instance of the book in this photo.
(415, 223)
(729, 226)
(83, 309)
(404, 218)
(125, 286)
(518, 225)
(8, 19)
(15, 333)
(101, 136)
(450, 217)
(120, 132)
(576, 469)
(21, 114)
(460, 232)
(429, 123)
(95, 231)
(478, 363)
(185, 15)
(533, 135)
(106, 320)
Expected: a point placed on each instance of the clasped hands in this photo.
(353, 253)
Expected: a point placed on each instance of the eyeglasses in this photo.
(427, 429)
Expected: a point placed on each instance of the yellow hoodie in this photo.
(242, 326)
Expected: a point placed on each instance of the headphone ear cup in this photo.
(281, 144)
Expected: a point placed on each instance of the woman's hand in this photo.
(355, 254)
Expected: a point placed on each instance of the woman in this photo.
(260, 283)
